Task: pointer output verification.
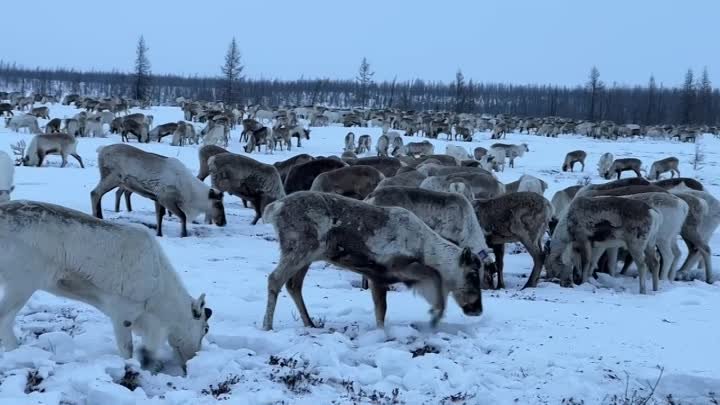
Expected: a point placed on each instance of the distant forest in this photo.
(695, 101)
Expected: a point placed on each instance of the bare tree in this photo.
(231, 72)
(595, 86)
(688, 98)
(364, 80)
(460, 92)
(651, 100)
(704, 88)
(142, 70)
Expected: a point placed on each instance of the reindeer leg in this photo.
(294, 288)
(11, 303)
(288, 267)
(499, 251)
(118, 196)
(78, 158)
(258, 212)
(128, 193)
(106, 184)
(159, 214)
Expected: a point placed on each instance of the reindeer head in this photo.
(19, 152)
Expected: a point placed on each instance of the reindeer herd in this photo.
(437, 222)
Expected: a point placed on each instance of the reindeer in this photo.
(258, 137)
(592, 225)
(572, 157)
(139, 130)
(246, 178)
(159, 131)
(661, 166)
(349, 142)
(300, 133)
(517, 217)
(47, 144)
(73, 255)
(387, 245)
(164, 180)
(606, 160)
(364, 144)
(41, 112)
(622, 165)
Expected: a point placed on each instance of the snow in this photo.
(537, 346)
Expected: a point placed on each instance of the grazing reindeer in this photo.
(258, 137)
(48, 144)
(133, 127)
(246, 178)
(511, 151)
(162, 179)
(349, 142)
(300, 133)
(382, 145)
(623, 165)
(592, 225)
(517, 217)
(41, 112)
(387, 245)
(661, 166)
(26, 121)
(572, 157)
(142, 294)
(160, 131)
(364, 144)
(606, 160)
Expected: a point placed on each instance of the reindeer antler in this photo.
(19, 151)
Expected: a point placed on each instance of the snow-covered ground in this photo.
(593, 344)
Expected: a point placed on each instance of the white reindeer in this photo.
(140, 293)
(7, 171)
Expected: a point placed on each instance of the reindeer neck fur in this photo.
(444, 257)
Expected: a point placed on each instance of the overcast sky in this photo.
(511, 41)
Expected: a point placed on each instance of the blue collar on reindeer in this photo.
(486, 256)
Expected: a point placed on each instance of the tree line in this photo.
(693, 102)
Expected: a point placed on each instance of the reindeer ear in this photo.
(197, 306)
